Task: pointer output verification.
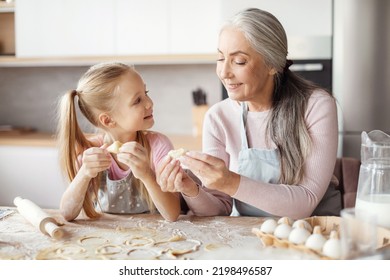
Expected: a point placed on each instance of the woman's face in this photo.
(242, 70)
(134, 108)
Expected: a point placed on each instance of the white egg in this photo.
(285, 220)
(332, 247)
(316, 241)
(306, 224)
(298, 235)
(268, 226)
(282, 231)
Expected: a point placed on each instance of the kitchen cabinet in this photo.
(154, 31)
(47, 28)
(173, 27)
(30, 172)
(142, 27)
(194, 26)
(72, 28)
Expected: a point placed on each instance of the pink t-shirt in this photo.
(221, 138)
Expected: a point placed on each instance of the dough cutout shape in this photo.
(138, 241)
(143, 243)
(177, 153)
(215, 246)
(108, 249)
(182, 247)
(92, 240)
(11, 251)
(114, 147)
(143, 254)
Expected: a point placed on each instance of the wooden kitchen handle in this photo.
(38, 218)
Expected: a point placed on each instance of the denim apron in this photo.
(264, 165)
(120, 196)
(257, 164)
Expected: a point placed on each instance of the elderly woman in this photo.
(271, 146)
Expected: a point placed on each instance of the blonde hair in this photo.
(95, 93)
(267, 37)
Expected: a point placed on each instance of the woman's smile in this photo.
(233, 86)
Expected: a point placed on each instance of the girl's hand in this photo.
(95, 160)
(172, 178)
(135, 156)
(212, 172)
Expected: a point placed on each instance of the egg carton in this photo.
(269, 239)
(327, 224)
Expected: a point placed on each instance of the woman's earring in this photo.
(273, 71)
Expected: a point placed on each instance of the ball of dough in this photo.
(177, 153)
(114, 147)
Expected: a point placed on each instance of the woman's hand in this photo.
(95, 160)
(135, 156)
(212, 172)
(172, 178)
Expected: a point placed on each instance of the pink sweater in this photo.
(221, 138)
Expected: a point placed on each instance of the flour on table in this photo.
(126, 243)
(11, 251)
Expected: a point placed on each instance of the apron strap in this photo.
(244, 114)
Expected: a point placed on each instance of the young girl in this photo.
(112, 97)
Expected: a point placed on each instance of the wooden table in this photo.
(142, 236)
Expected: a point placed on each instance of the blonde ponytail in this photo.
(71, 142)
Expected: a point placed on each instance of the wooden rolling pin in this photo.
(37, 217)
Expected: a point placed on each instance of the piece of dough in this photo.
(143, 254)
(215, 246)
(92, 240)
(182, 247)
(108, 249)
(177, 153)
(114, 147)
(136, 241)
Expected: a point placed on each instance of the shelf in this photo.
(12, 61)
(6, 7)
(33, 139)
(9, 59)
(40, 139)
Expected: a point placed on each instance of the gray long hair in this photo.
(267, 36)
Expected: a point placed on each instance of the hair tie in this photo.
(74, 93)
(289, 62)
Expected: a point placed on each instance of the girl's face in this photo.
(134, 108)
(243, 72)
